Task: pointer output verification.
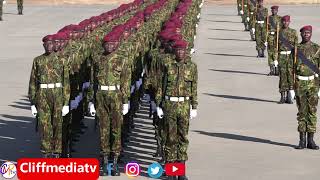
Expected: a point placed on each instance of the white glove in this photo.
(92, 110)
(125, 109)
(160, 112)
(74, 104)
(65, 110)
(133, 87)
(143, 71)
(34, 110)
(253, 30)
(193, 113)
(319, 93)
(266, 44)
(4, 2)
(276, 63)
(192, 51)
(153, 107)
(292, 94)
(241, 12)
(198, 16)
(194, 37)
(248, 19)
(197, 25)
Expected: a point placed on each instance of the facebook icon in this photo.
(110, 167)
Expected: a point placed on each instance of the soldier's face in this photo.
(48, 46)
(109, 18)
(126, 34)
(109, 47)
(57, 45)
(286, 24)
(274, 11)
(180, 54)
(306, 35)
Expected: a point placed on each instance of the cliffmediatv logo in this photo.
(155, 170)
(8, 170)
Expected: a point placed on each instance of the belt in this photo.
(176, 99)
(109, 88)
(260, 22)
(306, 78)
(50, 86)
(272, 33)
(285, 52)
(245, 5)
(251, 12)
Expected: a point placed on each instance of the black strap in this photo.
(301, 57)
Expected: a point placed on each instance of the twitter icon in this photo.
(155, 170)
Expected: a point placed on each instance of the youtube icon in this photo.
(175, 169)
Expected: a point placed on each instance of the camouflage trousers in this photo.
(307, 102)
(239, 6)
(260, 36)
(1, 6)
(272, 54)
(20, 5)
(284, 76)
(176, 119)
(50, 120)
(110, 119)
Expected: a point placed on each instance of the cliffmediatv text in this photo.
(72, 168)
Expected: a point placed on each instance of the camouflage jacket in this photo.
(274, 21)
(48, 69)
(312, 52)
(110, 70)
(292, 37)
(179, 79)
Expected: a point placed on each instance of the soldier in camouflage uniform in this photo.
(306, 88)
(178, 98)
(245, 16)
(252, 20)
(284, 58)
(20, 6)
(1, 8)
(273, 27)
(239, 7)
(261, 16)
(49, 95)
(110, 97)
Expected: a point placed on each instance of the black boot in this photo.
(56, 155)
(103, 165)
(259, 53)
(115, 171)
(282, 99)
(311, 144)
(302, 142)
(289, 98)
(271, 73)
(262, 53)
(276, 71)
(46, 155)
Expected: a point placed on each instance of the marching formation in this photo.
(102, 66)
(296, 64)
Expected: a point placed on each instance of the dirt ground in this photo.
(219, 2)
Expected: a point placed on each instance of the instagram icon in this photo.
(132, 169)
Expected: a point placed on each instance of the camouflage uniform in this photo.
(1, 7)
(110, 70)
(252, 22)
(285, 57)
(306, 90)
(245, 15)
(179, 80)
(20, 6)
(239, 6)
(48, 69)
(261, 15)
(274, 23)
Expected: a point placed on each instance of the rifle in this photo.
(294, 64)
(267, 26)
(277, 42)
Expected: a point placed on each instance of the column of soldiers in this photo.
(105, 64)
(19, 6)
(296, 64)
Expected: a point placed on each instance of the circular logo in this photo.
(8, 170)
(155, 170)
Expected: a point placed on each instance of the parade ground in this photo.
(240, 133)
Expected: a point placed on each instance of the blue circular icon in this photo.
(155, 170)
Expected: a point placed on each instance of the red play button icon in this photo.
(175, 169)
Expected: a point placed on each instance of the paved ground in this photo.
(241, 132)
